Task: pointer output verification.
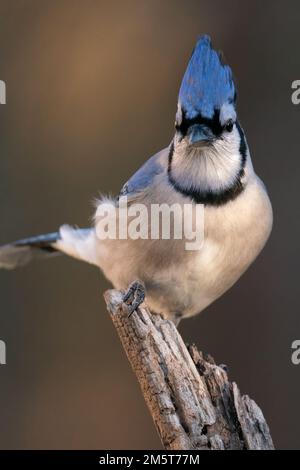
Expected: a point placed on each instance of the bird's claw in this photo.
(134, 296)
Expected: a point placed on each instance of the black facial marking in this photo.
(243, 144)
(213, 198)
(213, 123)
(171, 152)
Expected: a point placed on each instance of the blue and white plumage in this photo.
(207, 162)
(207, 83)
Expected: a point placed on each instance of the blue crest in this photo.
(207, 83)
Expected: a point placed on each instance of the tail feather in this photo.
(21, 252)
(44, 242)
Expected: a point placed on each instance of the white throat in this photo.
(214, 168)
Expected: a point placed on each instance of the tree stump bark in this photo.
(190, 398)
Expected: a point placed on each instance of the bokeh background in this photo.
(91, 94)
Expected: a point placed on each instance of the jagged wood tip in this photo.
(193, 404)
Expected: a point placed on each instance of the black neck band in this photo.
(213, 198)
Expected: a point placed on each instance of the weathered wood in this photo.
(192, 402)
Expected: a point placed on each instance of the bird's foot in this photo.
(134, 296)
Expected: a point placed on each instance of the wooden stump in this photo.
(192, 402)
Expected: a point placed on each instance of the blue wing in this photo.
(144, 177)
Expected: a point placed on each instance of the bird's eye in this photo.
(229, 125)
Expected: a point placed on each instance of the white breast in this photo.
(234, 235)
(184, 282)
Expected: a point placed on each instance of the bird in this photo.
(207, 164)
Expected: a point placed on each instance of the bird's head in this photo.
(208, 138)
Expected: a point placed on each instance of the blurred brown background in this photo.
(91, 94)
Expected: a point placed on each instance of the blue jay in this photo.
(208, 162)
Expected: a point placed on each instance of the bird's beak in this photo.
(200, 135)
